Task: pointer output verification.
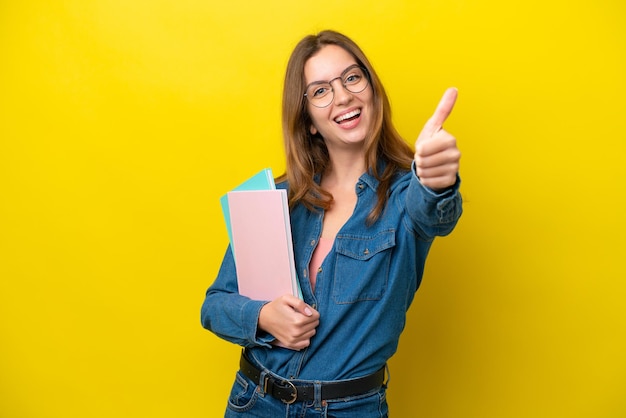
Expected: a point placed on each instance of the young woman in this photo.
(365, 209)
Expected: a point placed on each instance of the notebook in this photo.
(259, 229)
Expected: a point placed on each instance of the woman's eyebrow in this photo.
(342, 72)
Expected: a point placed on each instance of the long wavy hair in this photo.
(307, 154)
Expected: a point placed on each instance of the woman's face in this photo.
(347, 120)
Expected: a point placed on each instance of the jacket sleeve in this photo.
(228, 314)
(432, 214)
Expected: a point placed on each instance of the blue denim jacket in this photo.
(365, 286)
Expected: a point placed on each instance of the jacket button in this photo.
(366, 252)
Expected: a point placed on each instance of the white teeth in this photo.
(348, 115)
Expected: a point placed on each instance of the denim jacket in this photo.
(363, 289)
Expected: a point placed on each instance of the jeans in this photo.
(248, 400)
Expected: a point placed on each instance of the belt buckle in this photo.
(292, 389)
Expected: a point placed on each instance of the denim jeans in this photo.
(248, 400)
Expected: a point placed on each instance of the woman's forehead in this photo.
(329, 62)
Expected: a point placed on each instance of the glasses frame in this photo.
(330, 83)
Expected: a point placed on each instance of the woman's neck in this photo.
(344, 171)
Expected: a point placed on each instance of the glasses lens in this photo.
(320, 94)
(355, 80)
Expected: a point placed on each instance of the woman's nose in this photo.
(342, 95)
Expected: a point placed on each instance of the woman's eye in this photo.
(352, 78)
(320, 91)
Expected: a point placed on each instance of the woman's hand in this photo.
(290, 320)
(436, 154)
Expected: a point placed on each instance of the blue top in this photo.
(365, 286)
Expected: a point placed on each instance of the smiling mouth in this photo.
(346, 117)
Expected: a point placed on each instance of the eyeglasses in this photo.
(321, 93)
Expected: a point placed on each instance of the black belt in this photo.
(290, 391)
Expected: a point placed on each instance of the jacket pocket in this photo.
(362, 266)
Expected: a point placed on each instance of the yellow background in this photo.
(122, 122)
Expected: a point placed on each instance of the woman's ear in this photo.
(313, 130)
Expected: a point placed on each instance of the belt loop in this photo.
(263, 379)
(386, 381)
(317, 394)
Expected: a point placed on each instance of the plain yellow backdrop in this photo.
(122, 122)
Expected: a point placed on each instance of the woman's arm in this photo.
(228, 314)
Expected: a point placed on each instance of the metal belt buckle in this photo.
(292, 389)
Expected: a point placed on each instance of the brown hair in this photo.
(307, 154)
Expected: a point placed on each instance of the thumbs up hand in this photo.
(436, 154)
